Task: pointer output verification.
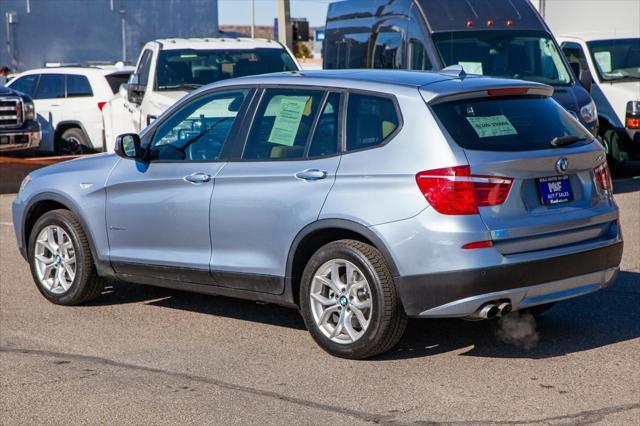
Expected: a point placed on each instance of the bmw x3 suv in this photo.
(360, 197)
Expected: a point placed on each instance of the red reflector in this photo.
(478, 244)
(455, 191)
(101, 105)
(633, 123)
(603, 177)
(509, 23)
(508, 91)
(469, 24)
(489, 23)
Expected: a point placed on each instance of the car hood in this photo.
(93, 169)
(160, 101)
(619, 93)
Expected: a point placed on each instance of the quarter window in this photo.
(370, 120)
(25, 84)
(199, 130)
(283, 123)
(51, 86)
(78, 86)
(144, 67)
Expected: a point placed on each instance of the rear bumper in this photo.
(461, 293)
(26, 137)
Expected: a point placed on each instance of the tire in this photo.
(372, 284)
(540, 309)
(73, 141)
(58, 285)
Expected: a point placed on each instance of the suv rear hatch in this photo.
(560, 188)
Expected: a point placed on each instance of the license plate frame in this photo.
(555, 190)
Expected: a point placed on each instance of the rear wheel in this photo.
(72, 142)
(349, 301)
(61, 261)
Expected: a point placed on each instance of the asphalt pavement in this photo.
(144, 355)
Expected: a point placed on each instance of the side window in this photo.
(370, 120)
(325, 137)
(77, 86)
(419, 59)
(199, 130)
(51, 86)
(574, 53)
(282, 124)
(144, 67)
(25, 84)
(388, 50)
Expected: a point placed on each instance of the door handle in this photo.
(198, 178)
(312, 174)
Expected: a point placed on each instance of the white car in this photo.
(168, 69)
(613, 63)
(69, 102)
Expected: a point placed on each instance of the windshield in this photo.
(509, 123)
(523, 55)
(616, 59)
(189, 68)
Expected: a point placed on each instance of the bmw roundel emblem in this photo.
(562, 165)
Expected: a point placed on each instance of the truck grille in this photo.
(10, 112)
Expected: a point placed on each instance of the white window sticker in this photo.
(604, 60)
(471, 67)
(494, 125)
(287, 122)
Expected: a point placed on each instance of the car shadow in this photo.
(603, 318)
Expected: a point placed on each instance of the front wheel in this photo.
(349, 301)
(61, 261)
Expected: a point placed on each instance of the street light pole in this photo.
(284, 23)
(253, 18)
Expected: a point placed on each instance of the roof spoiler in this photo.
(496, 91)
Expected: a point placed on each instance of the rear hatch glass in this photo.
(509, 123)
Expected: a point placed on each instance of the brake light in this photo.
(478, 244)
(455, 191)
(633, 122)
(508, 91)
(101, 105)
(603, 177)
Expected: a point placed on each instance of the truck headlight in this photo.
(589, 113)
(29, 111)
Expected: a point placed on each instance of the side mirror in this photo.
(128, 146)
(135, 91)
(583, 75)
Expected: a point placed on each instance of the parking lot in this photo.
(148, 355)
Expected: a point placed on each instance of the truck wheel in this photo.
(72, 142)
(349, 301)
(61, 261)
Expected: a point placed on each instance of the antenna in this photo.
(454, 70)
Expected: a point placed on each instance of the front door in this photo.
(158, 210)
(261, 202)
(50, 102)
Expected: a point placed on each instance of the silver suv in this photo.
(360, 197)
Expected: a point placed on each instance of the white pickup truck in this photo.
(168, 69)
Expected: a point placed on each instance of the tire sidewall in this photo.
(55, 218)
(376, 327)
(78, 134)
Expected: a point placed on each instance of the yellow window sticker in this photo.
(285, 126)
(494, 125)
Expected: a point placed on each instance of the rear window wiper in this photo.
(560, 141)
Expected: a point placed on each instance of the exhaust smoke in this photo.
(518, 329)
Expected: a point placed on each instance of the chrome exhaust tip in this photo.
(489, 311)
(504, 308)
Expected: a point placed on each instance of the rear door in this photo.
(277, 186)
(49, 100)
(555, 197)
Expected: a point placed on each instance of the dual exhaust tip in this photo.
(492, 310)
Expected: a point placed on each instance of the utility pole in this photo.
(284, 23)
(253, 18)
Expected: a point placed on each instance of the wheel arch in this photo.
(63, 126)
(324, 231)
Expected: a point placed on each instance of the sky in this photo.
(239, 11)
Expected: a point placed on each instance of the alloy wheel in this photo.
(55, 259)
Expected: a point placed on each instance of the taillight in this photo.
(455, 191)
(633, 122)
(101, 105)
(603, 177)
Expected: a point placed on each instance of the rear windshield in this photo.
(509, 124)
